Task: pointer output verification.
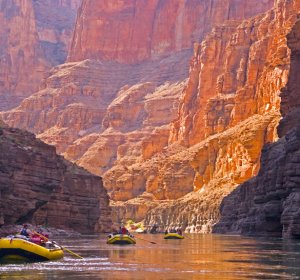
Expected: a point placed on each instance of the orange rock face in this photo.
(34, 36)
(155, 130)
(244, 88)
(269, 203)
(132, 31)
(228, 82)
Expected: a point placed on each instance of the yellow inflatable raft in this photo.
(17, 249)
(120, 239)
(173, 235)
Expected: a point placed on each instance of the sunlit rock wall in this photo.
(153, 134)
(269, 203)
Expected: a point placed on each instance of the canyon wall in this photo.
(265, 85)
(40, 187)
(171, 127)
(34, 36)
(269, 203)
(55, 20)
(133, 31)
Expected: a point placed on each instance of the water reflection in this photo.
(195, 257)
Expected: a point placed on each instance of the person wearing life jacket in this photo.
(124, 230)
(39, 238)
(25, 231)
(179, 231)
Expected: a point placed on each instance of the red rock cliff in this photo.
(238, 75)
(115, 118)
(132, 31)
(269, 203)
(34, 36)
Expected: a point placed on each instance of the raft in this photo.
(120, 239)
(21, 250)
(173, 235)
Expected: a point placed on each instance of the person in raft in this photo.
(39, 238)
(123, 230)
(179, 231)
(25, 231)
(35, 237)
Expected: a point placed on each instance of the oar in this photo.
(145, 240)
(63, 248)
(69, 251)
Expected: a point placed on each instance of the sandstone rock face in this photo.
(169, 147)
(34, 36)
(217, 165)
(269, 203)
(132, 31)
(40, 187)
(236, 72)
(104, 114)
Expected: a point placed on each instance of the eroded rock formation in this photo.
(119, 119)
(96, 113)
(34, 37)
(269, 203)
(40, 187)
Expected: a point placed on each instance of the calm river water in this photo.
(196, 257)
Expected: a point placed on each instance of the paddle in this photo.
(63, 248)
(145, 240)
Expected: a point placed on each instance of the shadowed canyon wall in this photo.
(171, 123)
(34, 36)
(40, 187)
(269, 203)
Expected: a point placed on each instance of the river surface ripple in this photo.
(197, 256)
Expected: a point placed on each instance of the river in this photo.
(195, 257)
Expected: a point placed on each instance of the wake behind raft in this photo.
(19, 249)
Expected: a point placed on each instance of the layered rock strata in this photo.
(40, 187)
(34, 36)
(217, 165)
(236, 73)
(236, 76)
(104, 114)
(269, 203)
(121, 120)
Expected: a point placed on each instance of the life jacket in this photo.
(36, 239)
(24, 232)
